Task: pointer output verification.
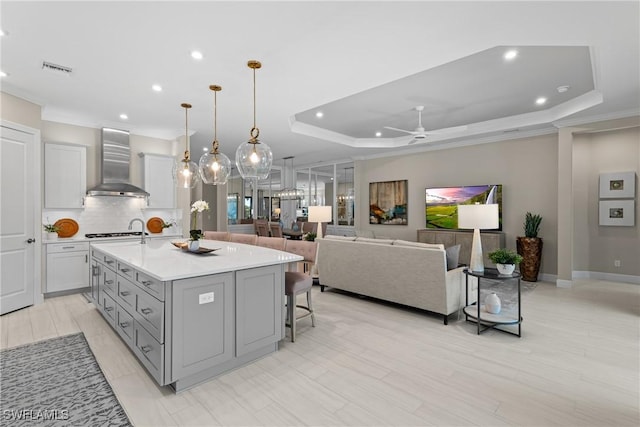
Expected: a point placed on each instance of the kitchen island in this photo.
(189, 317)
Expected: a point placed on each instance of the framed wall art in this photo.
(617, 212)
(388, 202)
(618, 185)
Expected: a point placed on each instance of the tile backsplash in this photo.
(108, 214)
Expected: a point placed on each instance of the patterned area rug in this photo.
(56, 382)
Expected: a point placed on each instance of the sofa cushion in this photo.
(419, 244)
(378, 241)
(453, 253)
(334, 237)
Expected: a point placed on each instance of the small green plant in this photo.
(50, 228)
(168, 224)
(505, 256)
(531, 224)
(309, 236)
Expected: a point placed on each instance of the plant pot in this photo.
(506, 269)
(194, 245)
(531, 250)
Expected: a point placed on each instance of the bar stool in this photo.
(296, 283)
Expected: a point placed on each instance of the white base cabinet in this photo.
(67, 267)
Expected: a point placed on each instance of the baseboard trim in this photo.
(612, 277)
(551, 278)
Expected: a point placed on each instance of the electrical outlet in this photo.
(617, 263)
(206, 298)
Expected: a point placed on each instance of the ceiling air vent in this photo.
(59, 69)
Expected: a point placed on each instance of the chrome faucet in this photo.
(143, 235)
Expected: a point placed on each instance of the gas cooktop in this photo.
(121, 234)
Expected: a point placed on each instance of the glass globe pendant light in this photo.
(254, 159)
(215, 166)
(185, 172)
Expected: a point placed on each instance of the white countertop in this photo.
(163, 261)
(81, 238)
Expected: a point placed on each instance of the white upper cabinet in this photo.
(157, 178)
(65, 176)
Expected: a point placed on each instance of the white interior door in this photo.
(18, 159)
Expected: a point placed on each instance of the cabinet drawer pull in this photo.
(146, 348)
(68, 247)
(108, 309)
(146, 310)
(125, 270)
(108, 282)
(124, 324)
(125, 293)
(108, 262)
(96, 270)
(147, 282)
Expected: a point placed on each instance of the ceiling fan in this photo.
(420, 133)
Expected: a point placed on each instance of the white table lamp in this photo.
(319, 214)
(477, 217)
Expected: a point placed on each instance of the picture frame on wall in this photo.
(388, 202)
(617, 212)
(617, 185)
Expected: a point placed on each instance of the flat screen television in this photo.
(442, 203)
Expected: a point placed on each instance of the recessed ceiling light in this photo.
(510, 54)
(378, 133)
(2, 33)
(124, 116)
(196, 54)
(157, 88)
(563, 89)
(3, 74)
(319, 114)
(541, 100)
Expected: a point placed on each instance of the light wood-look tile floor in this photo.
(367, 364)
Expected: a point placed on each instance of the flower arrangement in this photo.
(197, 207)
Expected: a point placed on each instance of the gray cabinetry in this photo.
(200, 301)
(189, 330)
(490, 242)
(258, 322)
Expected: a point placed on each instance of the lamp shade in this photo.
(319, 213)
(480, 217)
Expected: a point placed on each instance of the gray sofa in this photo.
(408, 273)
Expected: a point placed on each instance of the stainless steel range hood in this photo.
(115, 159)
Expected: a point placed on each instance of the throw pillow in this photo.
(453, 253)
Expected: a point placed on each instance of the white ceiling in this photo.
(364, 64)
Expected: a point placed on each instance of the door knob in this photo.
(31, 240)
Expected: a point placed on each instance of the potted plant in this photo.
(195, 233)
(310, 236)
(169, 224)
(51, 230)
(530, 247)
(505, 260)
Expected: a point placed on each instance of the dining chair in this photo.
(310, 227)
(297, 282)
(262, 227)
(277, 243)
(276, 229)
